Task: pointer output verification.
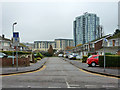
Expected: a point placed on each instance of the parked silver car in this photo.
(2, 55)
(60, 55)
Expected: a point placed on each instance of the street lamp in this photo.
(12, 42)
(14, 25)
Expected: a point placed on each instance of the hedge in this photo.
(47, 54)
(84, 59)
(19, 52)
(111, 61)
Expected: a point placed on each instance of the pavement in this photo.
(32, 67)
(58, 73)
(98, 70)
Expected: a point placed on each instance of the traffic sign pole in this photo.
(16, 43)
(13, 57)
(16, 58)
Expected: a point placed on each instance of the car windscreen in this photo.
(90, 56)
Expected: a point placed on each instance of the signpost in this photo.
(104, 44)
(16, 43)
(12, 43)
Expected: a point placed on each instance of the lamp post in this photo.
(12, 42)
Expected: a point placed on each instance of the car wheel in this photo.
(93, 64)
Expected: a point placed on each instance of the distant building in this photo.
(58, 44)
(29, 46)
(61, 44)
(44, 45)
(86, 28)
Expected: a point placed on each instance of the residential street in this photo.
(58, 73)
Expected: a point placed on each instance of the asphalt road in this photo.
(58, 73)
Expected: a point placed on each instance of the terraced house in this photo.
(112, 46)
(5, 44)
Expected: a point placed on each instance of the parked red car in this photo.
(93, 60)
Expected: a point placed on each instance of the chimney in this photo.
(3, 36)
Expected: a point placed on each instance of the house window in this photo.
(110, 43)
(118, 43)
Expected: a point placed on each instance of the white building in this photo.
(5, 44)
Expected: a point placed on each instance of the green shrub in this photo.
(38, 58)
(48, 54)
(39, 55)
(74, 58)
(108, 54)
(19, 52)
(35, 59)
(84, 59)
(111, 61)
(89, 54)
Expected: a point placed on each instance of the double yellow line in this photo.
(25, 72)
(98, 74)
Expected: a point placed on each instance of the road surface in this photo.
(58, 73)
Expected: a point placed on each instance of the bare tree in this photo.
(50, 50)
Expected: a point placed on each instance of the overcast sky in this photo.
(52, 20)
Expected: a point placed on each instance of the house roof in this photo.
(64, 39)
(115, 36)
(22, 45)
(1, 38)
(99, 39)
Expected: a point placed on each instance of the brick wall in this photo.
(98, 45)
(8, 62)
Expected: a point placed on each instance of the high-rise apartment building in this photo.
(86, 28)
(119, 15)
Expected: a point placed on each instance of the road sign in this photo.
(15, 34)
(15, 38)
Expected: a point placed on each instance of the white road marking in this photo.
(90, 86)
(29, 86)
(68, 86)
(74, 85)
(107, 86)
(65, 80)
(54, 87)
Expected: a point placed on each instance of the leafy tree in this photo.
(69, 47)
(116, 31)
(78, 45)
